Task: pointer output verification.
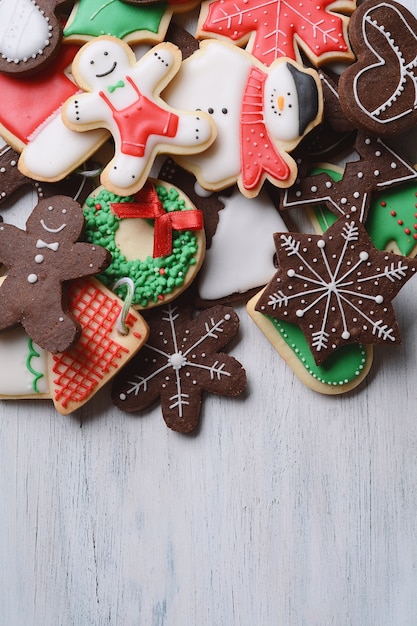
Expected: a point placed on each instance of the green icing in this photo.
(153, 277)
(113, 17)
(341, 367)
(33, 354)
(392, 215)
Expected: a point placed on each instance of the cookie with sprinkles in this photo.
(337, 287)
(182, 358)
(156, 239)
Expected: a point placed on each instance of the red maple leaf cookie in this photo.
(280, 28)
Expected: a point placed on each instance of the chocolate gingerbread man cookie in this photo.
(39, 260)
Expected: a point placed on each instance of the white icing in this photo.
(15, 377)
(406, 71)
(114, 84)
(24, 30)
(52, 230)
(214, 78)
(242, 250)
(281, 104)
(56, 150)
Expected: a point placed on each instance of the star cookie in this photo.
(337, 287)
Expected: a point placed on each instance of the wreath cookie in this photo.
(156, 239)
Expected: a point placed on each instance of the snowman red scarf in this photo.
(258, 153)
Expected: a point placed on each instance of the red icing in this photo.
(139, 120)
(31, 101)
(79, 371)
(258, 154)
(148, 206)
(277, 25)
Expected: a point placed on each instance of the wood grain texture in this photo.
(286, 508)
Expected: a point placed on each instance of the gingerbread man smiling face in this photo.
(39, 260)
(122, 95)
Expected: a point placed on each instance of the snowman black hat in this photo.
(307, 95)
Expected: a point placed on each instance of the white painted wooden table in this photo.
(286, 508)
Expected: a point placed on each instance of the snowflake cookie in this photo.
(337, 287)
(181, 359)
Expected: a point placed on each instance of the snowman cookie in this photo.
(261, 113)
(122, 95)
(39, 260)
(30, 34)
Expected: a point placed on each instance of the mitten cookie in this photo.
(39, 260)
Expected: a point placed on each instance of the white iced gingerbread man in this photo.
(122, 95)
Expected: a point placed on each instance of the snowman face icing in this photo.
(101, 64)
(281, 106)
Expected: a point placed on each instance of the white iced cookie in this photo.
(122, 95)
(261, 113)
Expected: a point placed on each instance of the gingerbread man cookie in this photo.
(122, 95)
(261, 114)
(39, 260)
(30, 34)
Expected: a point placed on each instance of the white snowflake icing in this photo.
(337, 286)
(178, 360)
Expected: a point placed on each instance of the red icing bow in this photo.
(148, 205)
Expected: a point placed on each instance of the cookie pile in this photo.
(168, 162)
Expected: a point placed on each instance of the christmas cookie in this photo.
(281, 28)
(181, 359)
(39, 260)
(91, 18)
(378, 92)
(31, 122)
(377, 168)
(240, 248)
(122, 95)
(156, 239)
(341, 372)
(392, 217)
(78, 184)
(30, 35)
(111, 335)
(261, 113)
(337, 287)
